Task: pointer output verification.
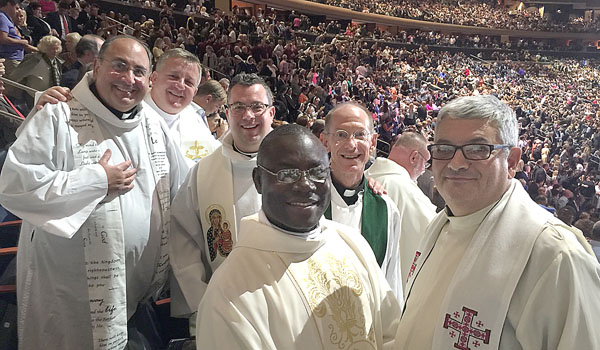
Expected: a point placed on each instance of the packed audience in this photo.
(400, 79)
(478, 13)
(404, 88)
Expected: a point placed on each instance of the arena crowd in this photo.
(300, 73)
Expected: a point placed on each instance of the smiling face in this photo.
(248, 129)
(348, 157)
(295, 206)
(470, 185)
(122, 89)
(174, 84)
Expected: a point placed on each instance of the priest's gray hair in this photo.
(484, 107)
(187, 57)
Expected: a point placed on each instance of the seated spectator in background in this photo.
(69, 57)
(86, 51)
(12, 46)
(21, 24)
(542, 201)
(209, 98)
(35, 22)
(217, 125)
(317, 127)
(295, 280)
(39, 70)
(585, 224)
(61, 21)
(158, 49)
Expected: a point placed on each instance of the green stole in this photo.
(373, 222)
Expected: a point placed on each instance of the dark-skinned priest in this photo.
(295, 280)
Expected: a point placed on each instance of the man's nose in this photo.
(304, 183)
(458, 161)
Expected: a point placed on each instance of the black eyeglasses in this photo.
(473, 151)
(289, 176)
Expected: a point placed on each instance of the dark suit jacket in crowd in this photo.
(38, 29)
(54, 21)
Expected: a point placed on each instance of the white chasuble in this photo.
(189, 131)
(51, 180)
(205, 218)
(486, 302)
(279, 291)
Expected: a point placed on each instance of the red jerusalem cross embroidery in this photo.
(413, 266)
(466, 330)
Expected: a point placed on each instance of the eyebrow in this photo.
(119, 59)
(477, 140)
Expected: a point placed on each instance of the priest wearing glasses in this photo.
(495, 270)
(350, 138)
(295, 280)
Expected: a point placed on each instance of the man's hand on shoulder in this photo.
(53, 96)
(120, 177)
(375, 186)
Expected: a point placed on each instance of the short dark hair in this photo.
(64, 5)
(247, 80)
(86, 43)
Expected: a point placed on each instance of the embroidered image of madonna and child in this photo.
(218, 235)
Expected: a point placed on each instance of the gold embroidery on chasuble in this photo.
(334, 294)
(196, 152)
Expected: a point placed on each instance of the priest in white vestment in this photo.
(92, 180)
(174, 85)
(295, 280)
(217, 193)
(398, 174)
(349, 137)
(494, 270)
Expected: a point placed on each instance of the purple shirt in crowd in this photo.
(10, 51)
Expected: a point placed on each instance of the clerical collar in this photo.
(262, 217)
(349, 195)
(130, 114)
(247, 154)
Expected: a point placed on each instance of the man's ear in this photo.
(373, 146)
(153, 76)
(324, 140)
(257, 181)
(412, 157)
(513, 158)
